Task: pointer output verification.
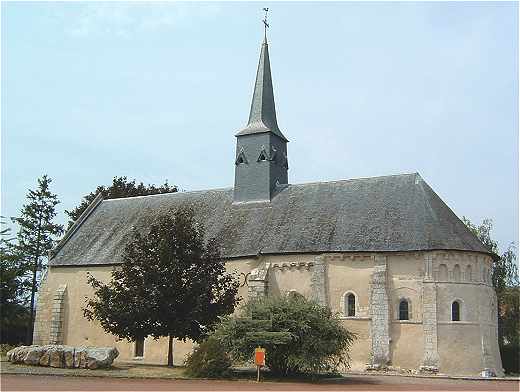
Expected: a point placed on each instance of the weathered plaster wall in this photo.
(429, 280)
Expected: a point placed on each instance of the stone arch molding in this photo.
(411, 296)
(456, 273)
(468, 273)
(462, 309)
(442, 273)
(343, 304)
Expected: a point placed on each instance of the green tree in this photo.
(14, 315)
(317, 342)
(171, 283)
(120, 187)
(36, 237)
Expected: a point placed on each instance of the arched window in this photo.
(403, 310)
(443, 273)
(468, 276)
(455, 311)
(351, 305)
(456, 273)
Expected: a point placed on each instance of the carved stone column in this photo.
(430, 362)
(319, 281)
(380, 313)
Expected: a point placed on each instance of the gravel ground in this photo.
(142, 377)
(12, 382)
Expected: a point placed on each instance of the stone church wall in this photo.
(429, 281)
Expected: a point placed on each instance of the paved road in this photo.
(11, 382)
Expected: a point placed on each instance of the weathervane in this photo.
(266, 25)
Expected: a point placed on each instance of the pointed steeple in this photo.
(262, 117)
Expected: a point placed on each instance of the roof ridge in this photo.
(355, 179)
(289, 185)
(170, 194)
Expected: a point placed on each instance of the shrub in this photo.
(209, 359)
(510, 354)
(317, 342)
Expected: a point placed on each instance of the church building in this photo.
(385, 253)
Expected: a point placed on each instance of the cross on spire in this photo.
(266, 25)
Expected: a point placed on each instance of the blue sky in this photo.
(156, 91)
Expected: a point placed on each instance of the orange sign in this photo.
(260, 356)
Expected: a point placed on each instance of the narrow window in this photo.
(139, 348)
(351, 305)
(455, 311)
(403, 310)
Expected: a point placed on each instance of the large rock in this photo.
(64, 356)
(68, 356)
(34, 354)
(101, 357)
(56, 356)
(80, 357)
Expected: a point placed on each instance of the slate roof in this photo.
(262, 117)
(383, 214)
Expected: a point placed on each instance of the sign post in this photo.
(259, 361)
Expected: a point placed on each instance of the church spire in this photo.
(261, 163)
(262, 117)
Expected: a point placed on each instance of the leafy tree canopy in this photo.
(299, 335)
(121, 187)
(505, 269)
(170, 283)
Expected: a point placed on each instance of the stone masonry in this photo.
(380, 325)
(258, 281)
(41, 321)
(318, 281)
(430, 362)
(56, 336)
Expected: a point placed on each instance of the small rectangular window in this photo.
(139, 348)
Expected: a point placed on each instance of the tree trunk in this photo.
(170, 350)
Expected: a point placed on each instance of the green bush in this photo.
(301, 336)
(510, 354)
(209, 360)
